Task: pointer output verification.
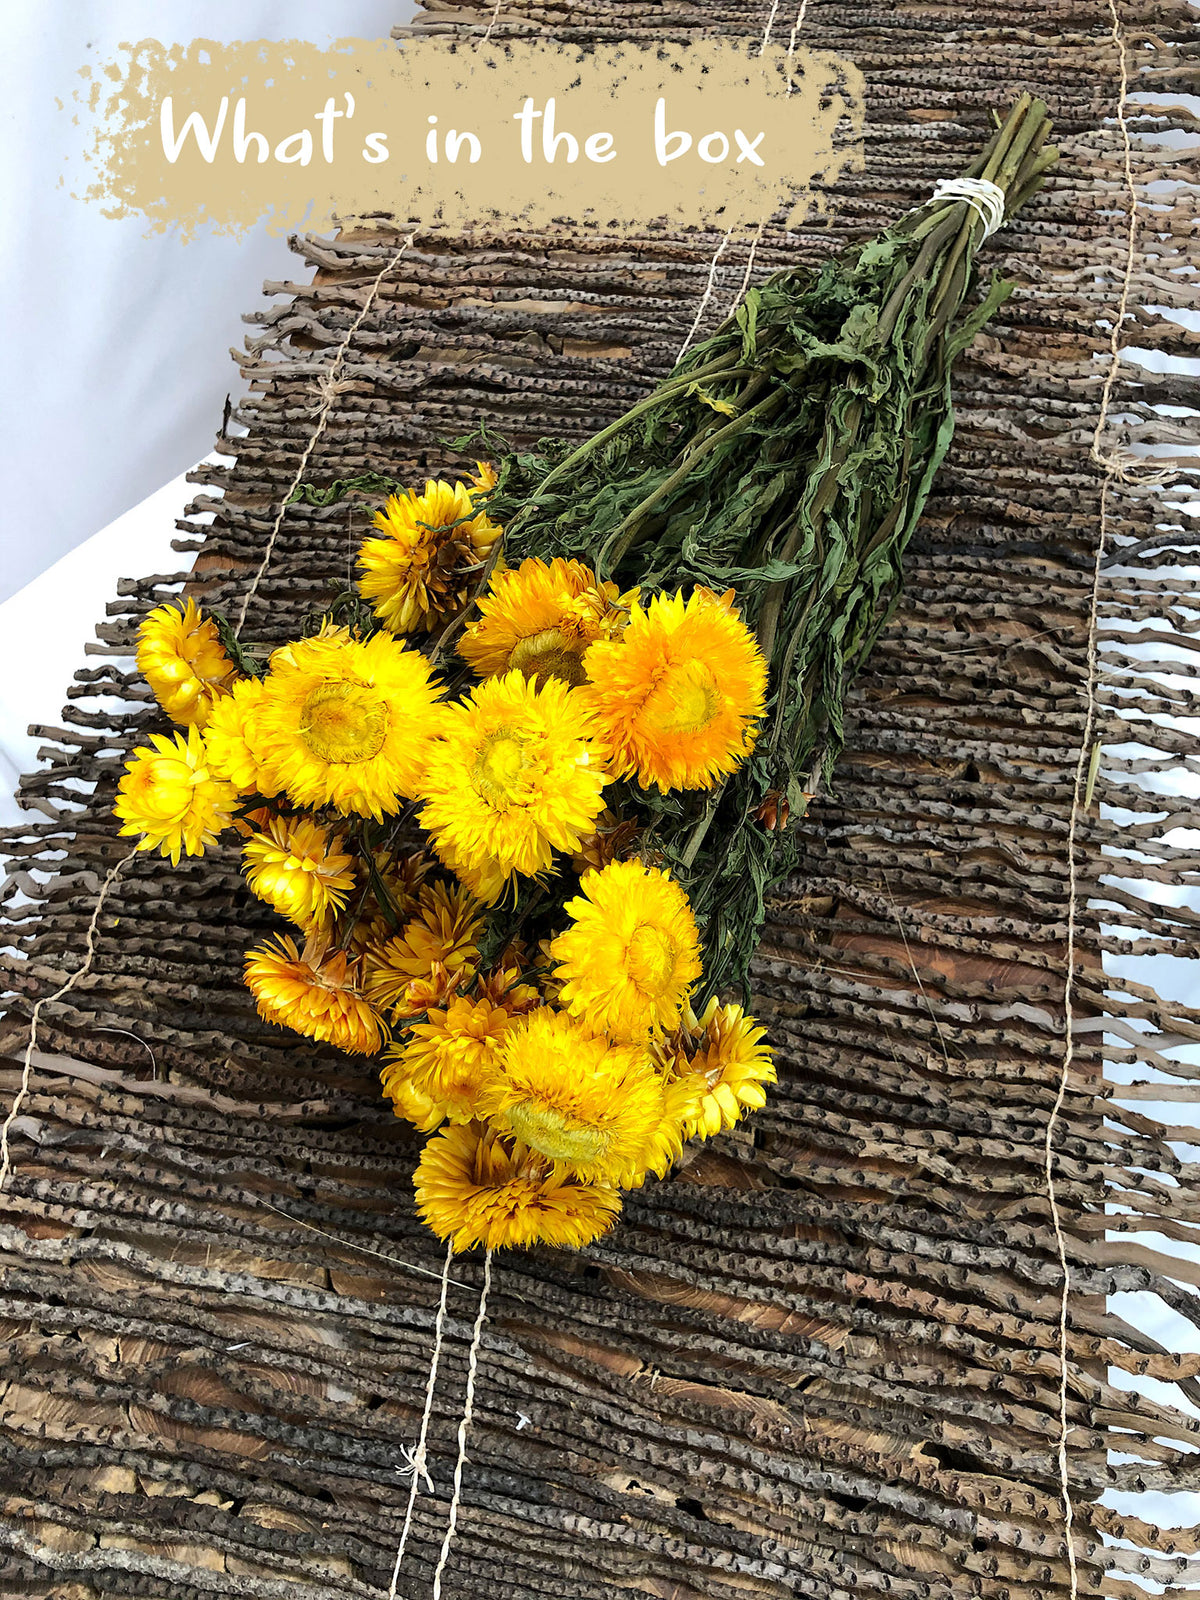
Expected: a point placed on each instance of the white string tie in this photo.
(985, 198)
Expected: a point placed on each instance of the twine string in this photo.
(464, 1425)
(753, 251)
(417, 1459)
(791, 49)
(706, 296)
(492, 21)
(1114, 470)
(797, 25)
(329, 385)
(35, 1015)
(985, 198)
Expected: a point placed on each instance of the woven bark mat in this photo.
(823, 1359)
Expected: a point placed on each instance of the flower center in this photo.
(547, 655)
(344, 721)
(499, 766)
(547, 1131)
(685, 700)
(650, 959)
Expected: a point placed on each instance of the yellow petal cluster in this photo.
(430, 955)
(720, 1063)
(301, 869)
(572, 1095)
(231, 738)
(541, 620)
(169, 796)
(181, 657)
(419, 571)
(474, 1188)
(677, 697)
(628, 960)
(514, 777)
(347, 723)
(315, 991)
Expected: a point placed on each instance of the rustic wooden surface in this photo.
(821, 1360)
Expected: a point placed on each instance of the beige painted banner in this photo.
(718, 132)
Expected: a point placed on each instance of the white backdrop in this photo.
(117, 340)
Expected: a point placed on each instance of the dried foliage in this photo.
(790, 455)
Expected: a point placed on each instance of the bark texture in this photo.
(822, 1360)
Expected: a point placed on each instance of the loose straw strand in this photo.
(464, 1426)
(418, 1456)
(329, 390)
(73, 978)
(1112, 471)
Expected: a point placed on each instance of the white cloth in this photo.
(117, 341)
(43, 627)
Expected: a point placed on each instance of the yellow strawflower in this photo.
(169, 796)
(514, 777)
(314, 991)
(627, 962)
(231, 739)
(438, 946)
(681, 1098)
(678, 695)
(573, 1097)
(347, 724)
(425, 564)
(181, 657)
(301, 869)
(408, 1102)
(721, 1061)
(542, 619)
(474, 1188)
(445, 1058)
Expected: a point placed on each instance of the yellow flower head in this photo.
(445, 1058)
(181, 657)
(541, 619)
(483, 479)
(408, 1102)
(422, 568)
(314, 991)
(632, 952)
(296, 866)
(169, 796)
(347, 724)
(680, 1102)
(678, 695)
(438, 946)
(721, 1061)
(514, 777)
(572, 1097)
(475, 1189)
(231, 739)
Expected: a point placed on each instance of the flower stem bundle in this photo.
(521, 796)
(789, 456)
